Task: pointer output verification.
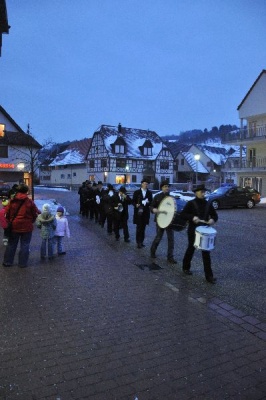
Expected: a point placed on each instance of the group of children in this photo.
(53, 229)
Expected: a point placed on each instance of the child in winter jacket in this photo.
(62, 230)
(3, 221)
(47, 223)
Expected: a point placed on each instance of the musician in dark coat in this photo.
(108, 207)
(164, 186)
(196, 211)
(142, 199)
(121, 203)
(89, 200)
(99, 206)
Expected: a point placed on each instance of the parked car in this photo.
(184, 195)
(4, 189)
(227, 196)
(130, 187)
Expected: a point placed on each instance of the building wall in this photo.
(69, 175)
(255, 103)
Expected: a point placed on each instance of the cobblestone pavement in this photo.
(103, 323)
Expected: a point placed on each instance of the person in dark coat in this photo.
(121, 203)
(89, 199)
(196, 211)
(99, 202)
(108, 206)
(81, 193)
(142, 199)
(164, 186)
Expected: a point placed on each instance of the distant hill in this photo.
(195, 136)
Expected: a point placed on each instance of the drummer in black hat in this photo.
(164, 186)
(198, 212)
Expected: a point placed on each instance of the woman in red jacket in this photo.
(22, 212)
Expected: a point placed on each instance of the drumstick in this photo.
(162, 212)
(204, 222)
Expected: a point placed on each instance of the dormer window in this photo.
(146, 148)
(147, 151)
(120, 149)
(119, 146)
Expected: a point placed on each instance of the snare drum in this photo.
(169, 213)
(205, 238)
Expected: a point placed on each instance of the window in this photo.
(3, 151)
(74, 174)
(134, 178)
(68, 176)
(91, 164)
(62, 176)
(120, 163)
(165, 153)
(182, 161)
(104, 163)
(147, 151)
(164, 165)
(119, 149)
(2, 130)
(134, 164)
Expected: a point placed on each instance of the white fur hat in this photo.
(46, 207)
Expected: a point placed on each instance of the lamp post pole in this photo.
(197, 157)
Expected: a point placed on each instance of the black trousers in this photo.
(140, 230)
(170, 241)
(121, 224)
(206, 257)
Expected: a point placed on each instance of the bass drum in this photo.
(169, 214)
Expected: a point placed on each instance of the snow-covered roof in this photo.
(74, 154)
(134, 139)
(194, 165)
(218, 153)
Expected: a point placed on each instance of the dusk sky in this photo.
(165, 65)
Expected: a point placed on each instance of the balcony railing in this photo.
(255, 162)
(246, 134)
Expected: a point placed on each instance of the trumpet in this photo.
(120, 207)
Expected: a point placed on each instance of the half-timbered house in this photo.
(125, 155)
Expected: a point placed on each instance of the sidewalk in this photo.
(101, 324)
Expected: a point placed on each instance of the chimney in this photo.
(119, 128)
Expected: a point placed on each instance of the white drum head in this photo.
(167, 209)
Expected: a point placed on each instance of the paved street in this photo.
(104, 323)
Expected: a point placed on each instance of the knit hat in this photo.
(46, 207)
(60, 209)
(5, 202)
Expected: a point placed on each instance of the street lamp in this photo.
(197, 157)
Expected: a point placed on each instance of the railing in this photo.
(246, 134)
(255, 162)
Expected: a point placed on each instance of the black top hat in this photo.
(200, 188)
(164, 183)
(122, 189)
(145, 180)
(100, 183)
